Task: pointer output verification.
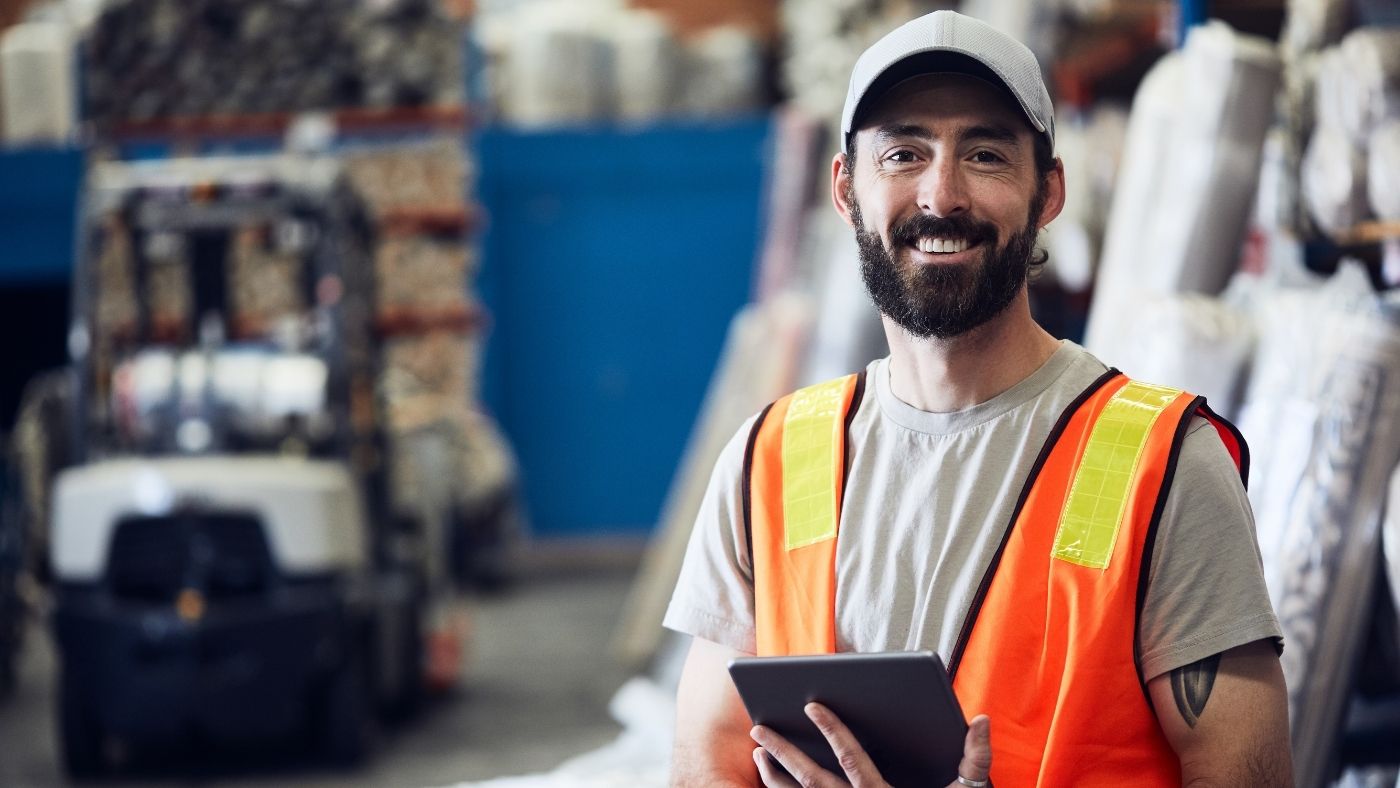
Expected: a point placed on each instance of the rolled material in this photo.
(647, 66)
(1189, 176)
(1322, 415)
(1383, 171)
(37, 83)
(559, 68)
(262, 56)
(1195, 342)
(1334, 180)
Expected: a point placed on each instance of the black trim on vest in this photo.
(1149, 547)
(856, 397)
(986, 584)
(747, 475)
(1239, 438)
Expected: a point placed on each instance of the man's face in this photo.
(946, 203)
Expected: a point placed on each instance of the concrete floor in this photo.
(538, 683)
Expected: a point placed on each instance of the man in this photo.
(1078, 547)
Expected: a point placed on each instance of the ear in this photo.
(1054, 194)
(840, 187)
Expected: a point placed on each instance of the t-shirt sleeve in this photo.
(1205, 591)
(713, 599)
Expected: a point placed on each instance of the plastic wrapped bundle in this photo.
(724, 73)
(1390, 538)
(116, 307)
(1194, 145)
(1313, 24)
(262, 56)
(646, 66)
(1370, 90)
(559, 67)
(1193, 342)
(265, 283)
(421, 272)
(1334, 180)
(433, 175)
(1383, 173)
(1323, 418)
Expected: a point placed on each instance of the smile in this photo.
(931, 245)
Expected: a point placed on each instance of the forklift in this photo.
(225, 561)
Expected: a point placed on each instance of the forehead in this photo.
(940, 98)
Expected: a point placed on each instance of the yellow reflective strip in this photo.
(811, 434)
(1093, 512)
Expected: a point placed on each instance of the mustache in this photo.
(959, 228)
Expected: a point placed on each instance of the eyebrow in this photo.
(987, 133)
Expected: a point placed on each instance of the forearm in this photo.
(712, 747)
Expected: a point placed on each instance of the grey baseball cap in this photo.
(948, 42)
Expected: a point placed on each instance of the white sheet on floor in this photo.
(640, 757)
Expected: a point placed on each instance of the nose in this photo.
(942, 190)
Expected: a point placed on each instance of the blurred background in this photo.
(366, 360)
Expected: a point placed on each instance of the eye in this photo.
(987, 157)
(901, 156)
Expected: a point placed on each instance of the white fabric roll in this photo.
(1383, 171)
(724, 73)
(1322, 415)
(37, 83)
(1189, 176)
(558, 69)
(646, 65)
(1334, 180)
(1193, 342)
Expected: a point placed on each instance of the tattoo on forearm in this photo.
(1191, 686)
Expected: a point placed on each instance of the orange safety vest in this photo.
(1049, 649)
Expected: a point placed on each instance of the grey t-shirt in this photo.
(928, 497)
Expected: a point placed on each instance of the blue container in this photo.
(613, 262)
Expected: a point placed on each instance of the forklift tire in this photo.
(346, 717)
(79, 734)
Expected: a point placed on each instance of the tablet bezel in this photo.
(899, 705)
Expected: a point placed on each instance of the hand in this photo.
(860, 771)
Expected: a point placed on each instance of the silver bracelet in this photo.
(973, 783)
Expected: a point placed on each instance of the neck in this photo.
(945, 375)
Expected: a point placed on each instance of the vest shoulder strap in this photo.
(793, 482)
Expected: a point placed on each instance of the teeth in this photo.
(941, 245)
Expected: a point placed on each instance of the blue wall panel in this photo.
(38, 206)
(613, 262)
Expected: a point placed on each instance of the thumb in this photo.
(976, 763)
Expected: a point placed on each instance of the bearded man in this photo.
(1076, 546)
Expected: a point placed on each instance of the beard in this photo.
(945, 301)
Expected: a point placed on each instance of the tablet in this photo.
(899, 705)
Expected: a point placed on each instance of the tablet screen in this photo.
(899, 705)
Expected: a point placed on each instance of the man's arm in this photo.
(1227, 718)
(712, 747)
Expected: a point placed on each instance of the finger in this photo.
(976, 763)
(854, 761)
(769, 773)
(804, 770)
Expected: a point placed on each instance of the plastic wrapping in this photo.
(1383, 170)
(646, 66)
(1334, 180)
(1370, 90)
(724, 72)
(1322, 415)
(1194, 144)
(37, 83)
(558, 69)
(1193, 342)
